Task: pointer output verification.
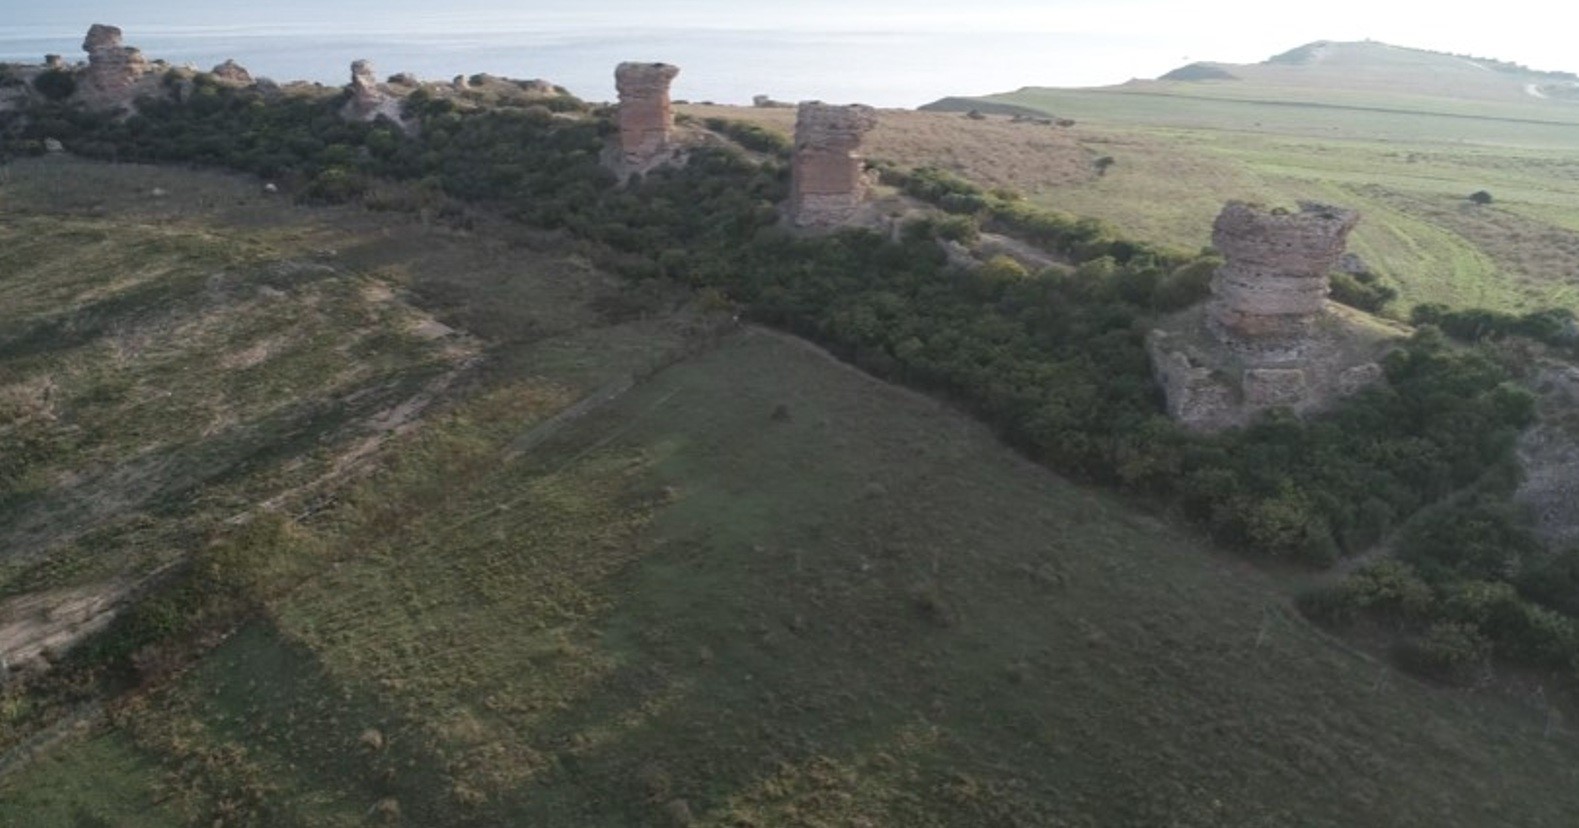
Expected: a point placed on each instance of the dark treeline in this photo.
(1054, 361)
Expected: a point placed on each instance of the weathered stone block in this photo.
(1275, 387)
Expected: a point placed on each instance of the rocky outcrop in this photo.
(646, 115)
(1275, 279)
(829, 175)
(233, 73)
(1268, 338)
(371, 100)
(114, 70)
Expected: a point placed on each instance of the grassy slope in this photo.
(159, 373)
(1400, 134)
(868, 612)
(861, 611)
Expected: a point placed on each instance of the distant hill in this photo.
(1362, 74)
(1200, 72)
(1376, 67)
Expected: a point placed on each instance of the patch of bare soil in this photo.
(995, 151)
(35, 626)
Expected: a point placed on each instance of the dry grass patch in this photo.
(994, 152)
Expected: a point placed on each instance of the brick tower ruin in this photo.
(1276, 277)
(829, 174)
(1268, 337)
(646, 116)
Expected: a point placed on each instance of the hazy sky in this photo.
(1089, 42)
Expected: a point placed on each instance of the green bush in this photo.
(1450, 651)
(1484, 538)
(1364, 291)
(751, 136)
(1552, 326)
(55, 84)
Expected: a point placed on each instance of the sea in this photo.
(890, 65)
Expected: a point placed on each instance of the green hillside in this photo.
(1401, 134)
(739, 583)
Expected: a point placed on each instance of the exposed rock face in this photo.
(1268, 338)
(113, 69)
(1275, 281)
(829, 174)
(233, 72)
(646, 115)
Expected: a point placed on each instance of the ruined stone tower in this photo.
(1275, 279)
(1268, 337)
(113, 69)
(368, 100)
(646, 116)
(829, 174)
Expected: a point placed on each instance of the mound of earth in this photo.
(1199, 72)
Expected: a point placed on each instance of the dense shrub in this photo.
(55, 84)
(1553, 326)
(1450, 651)
(751, 136)
(1362, 290)
(1483, 538)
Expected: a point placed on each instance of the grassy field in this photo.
(1404, 136)
(640, 569)
(761, 589)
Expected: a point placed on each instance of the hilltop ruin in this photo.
(1268, 338)
(114, 77)
(646, 115)
(113, 68)
(1274, 282)
(369, 100)
(829, 175)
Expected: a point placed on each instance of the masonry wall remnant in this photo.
(1268, 337)
(646, 115)
(829, 174)
(1274, 281)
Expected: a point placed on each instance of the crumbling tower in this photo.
(1275, 280)
(1268, 338)
(367, 100)
(113, 69)
(829, 174)
(646, 116)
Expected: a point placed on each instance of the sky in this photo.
(988, 45)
